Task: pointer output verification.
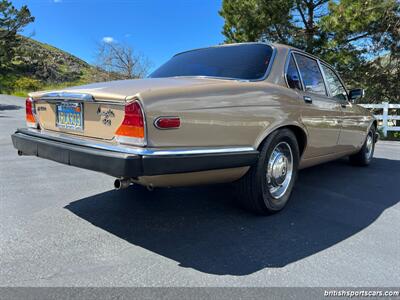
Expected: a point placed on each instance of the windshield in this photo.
(246, 61)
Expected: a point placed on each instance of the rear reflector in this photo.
(132, 130)
(168, 122)
(29, 116)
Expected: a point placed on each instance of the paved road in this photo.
(63, 226)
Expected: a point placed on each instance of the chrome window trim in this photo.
(319, 67)
(298, 70)
(288, 57)
(327, 89)
(337, 75)
(320, 63)
(63, 138)
(267, 72)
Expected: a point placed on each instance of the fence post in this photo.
(385, 118)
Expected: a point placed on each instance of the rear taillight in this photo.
(132, 129)
(30, 117)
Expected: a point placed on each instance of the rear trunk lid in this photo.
(92, 119)
(97, 110)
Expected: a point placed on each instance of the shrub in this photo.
(26, 83)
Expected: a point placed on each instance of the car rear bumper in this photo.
(129, 162)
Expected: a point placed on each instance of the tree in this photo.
(293, 22)
(350, 34)
(12, 21)
(121, 62)
(366, 36)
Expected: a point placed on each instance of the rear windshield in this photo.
(248, 61)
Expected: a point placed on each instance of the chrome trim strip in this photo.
(132, 150)
(96, 101)
(327, 90)
(337, 74)
(299, 52)
(198, 151)
(298, 71)
(288, 57)
(67, 96)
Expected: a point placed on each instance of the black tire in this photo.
(364, 156)
(253, 192)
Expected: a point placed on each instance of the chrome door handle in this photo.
(307, 99)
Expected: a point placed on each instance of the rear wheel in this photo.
(267, 186)
(366, 153)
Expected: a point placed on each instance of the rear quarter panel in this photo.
(228, 114)
(356, 122)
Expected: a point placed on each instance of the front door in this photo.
(353, 132)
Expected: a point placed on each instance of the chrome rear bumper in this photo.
(124, 161)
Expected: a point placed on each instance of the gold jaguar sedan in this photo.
(251, 113)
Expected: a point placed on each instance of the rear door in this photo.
(321, 115)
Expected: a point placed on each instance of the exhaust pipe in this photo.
(123, 183)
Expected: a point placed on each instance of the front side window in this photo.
(247, 61)
(292, 75)
(311, 75)
(335, 86)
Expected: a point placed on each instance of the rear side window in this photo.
(292, 75)
(335, 86)
(311, 74)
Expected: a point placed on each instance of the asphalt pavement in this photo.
(64, 226)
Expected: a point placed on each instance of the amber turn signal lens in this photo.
(132, 129)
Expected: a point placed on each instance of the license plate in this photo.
(69, 116)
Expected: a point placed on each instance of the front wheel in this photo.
(366, 153)
(267, 186)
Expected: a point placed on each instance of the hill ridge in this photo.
(41, 66)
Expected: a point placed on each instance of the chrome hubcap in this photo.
(369, 146)
(279, 170)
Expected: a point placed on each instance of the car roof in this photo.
(274, 45)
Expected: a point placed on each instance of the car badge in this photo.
(105, 116)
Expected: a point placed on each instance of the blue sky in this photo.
(155, 28)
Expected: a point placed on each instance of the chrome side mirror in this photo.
(356, 94)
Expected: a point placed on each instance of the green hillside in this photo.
(39, 66)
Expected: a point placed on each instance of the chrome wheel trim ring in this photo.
(369, 145)
(279, 170)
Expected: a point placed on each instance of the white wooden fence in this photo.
(386, 121)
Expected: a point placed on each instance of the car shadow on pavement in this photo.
(9, 107)
(201, 228)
